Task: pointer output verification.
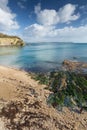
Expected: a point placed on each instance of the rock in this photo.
(6, 40)
(74, 66)
(2, 125)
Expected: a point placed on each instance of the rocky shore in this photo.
(74, 65)
(23, 105)
(6, 40)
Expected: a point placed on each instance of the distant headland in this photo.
(7, 40)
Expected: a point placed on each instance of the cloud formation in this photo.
(65, 14)
(39, 33)
(21, 5)
(46, 27)
(7, 18)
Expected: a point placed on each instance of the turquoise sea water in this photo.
(39, 57)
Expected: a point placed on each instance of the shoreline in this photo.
(17, 87)
(66, 65)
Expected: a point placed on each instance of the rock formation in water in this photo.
(6, 40)
(74, 65)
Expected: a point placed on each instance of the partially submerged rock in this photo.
(6, 40)
(74, 65)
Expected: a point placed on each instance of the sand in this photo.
(18, 86)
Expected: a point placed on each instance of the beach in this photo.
(17, 88)
(43, 65)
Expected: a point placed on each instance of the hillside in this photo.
(6, 40)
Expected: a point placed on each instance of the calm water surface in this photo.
(39, 57)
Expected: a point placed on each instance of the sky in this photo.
(45, 20)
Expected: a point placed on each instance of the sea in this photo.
(42, 57)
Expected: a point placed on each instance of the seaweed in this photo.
(69, 89)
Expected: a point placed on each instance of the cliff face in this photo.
(6, 40)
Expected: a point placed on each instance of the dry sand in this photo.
(17, 88)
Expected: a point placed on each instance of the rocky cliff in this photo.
(6, 40)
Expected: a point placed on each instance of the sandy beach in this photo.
(18, 86)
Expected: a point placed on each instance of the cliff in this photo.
(6, 40)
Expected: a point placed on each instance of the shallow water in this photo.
(40, 57)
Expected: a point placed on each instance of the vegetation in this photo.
(42, 78)
(7, 36)
(68, 89)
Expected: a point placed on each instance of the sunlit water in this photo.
(41, 57)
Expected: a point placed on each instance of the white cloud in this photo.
(3, 5)
(67, 13)
(7, 18)
(38, 32)
(21, 5)
(83, 8)
(46, 29)
(53, 17)
(76, 34)
(37, 8)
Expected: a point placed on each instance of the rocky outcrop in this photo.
(74, 66)
(6, 40)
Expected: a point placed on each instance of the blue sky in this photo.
(45, 20)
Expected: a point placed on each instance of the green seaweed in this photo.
(68, 89)
(73, 94)
(42, 78)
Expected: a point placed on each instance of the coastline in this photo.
(17, 86)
